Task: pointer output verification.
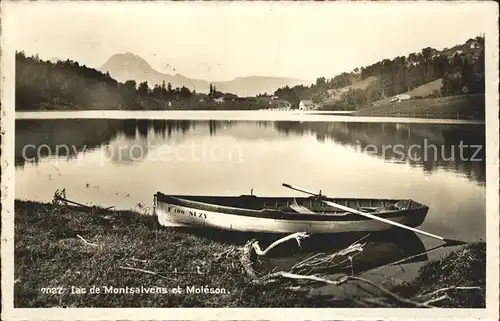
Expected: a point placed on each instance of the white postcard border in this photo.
(492, 210)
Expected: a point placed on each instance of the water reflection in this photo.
(426, 146)
(36, 139)
(420, 145)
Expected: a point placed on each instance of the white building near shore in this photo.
(306, 104)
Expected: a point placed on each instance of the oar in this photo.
(374, 217)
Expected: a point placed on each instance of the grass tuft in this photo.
(463, 267)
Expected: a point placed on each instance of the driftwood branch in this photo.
(427, 296)
(295, 236)
(85, 241)
(272, 277)
(138, 260)
(251, 250)
(379, 302)
(246, 260)
(322, 260)
(143, 271)
(60, 196)
(439, 299)
(395, 297)
(408, 258)
(138, 270)
(293, 276)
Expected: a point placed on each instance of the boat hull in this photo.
(181, 215)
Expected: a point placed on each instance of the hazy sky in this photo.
(221, 41)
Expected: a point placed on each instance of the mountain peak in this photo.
(130, 55)
(129, 66)
(126, 60)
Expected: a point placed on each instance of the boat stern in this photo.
(417, 213)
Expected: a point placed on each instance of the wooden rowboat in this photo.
(249, 213)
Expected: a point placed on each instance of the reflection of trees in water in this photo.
(129, 128)
(142, 127)
(394, 142)
(168, 128)
(94, 133)
(81, 135)
(132, 128)
(60, 137)
(159, 127)
(264, 124)
(215, 125)
(122, 150)
(212, 124)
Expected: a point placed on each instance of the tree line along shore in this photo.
(431, 74)
(68, 256)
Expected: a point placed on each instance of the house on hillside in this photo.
(219, 100)
(400, 98)
(404, 97)
(475, 45)
(306, 104)
(457, 52)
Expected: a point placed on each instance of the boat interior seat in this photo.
(295, 209)
(319, 207)
(369, 209)
(402, 205)
(304, 210)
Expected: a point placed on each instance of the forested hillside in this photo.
(461, 69)
(46, 85)
(67, 85)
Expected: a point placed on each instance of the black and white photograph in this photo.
(249, 155)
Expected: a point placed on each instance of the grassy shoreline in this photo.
(60, 250)
(452, 107)
(470, 107)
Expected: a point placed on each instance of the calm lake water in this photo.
(123, 162)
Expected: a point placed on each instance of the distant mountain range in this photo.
(128, 66)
